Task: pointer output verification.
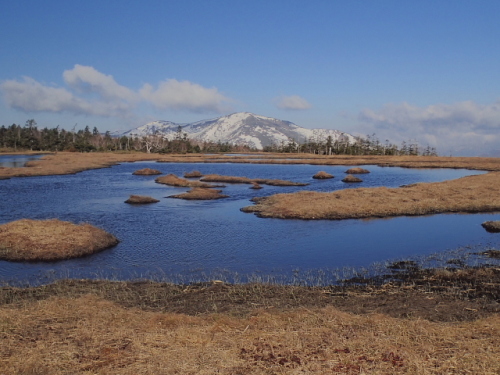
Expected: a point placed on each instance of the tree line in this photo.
(369, 145)
(29, 137)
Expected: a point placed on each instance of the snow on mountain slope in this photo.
(240, 128)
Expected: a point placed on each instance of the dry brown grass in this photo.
(246, 180)
(351, 178)
(322, 175)
(141, 199)
(193, 174)
(200, 194)
(492, 226)
(357, 170)
(48, 240)
(88, 335)
(147, 172)
(173, 180)
(479, 193)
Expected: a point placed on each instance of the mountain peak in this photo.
(242, 128)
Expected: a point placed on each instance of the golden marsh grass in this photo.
(141, 199)
(48, 240)
(198, 193)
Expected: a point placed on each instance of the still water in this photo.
(16, 161)
(187, 241)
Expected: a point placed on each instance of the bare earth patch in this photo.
(200, 194)
(147, 172)
(322, 175)
(141, 199)
(173, 180)
(48, 240)
(246, 180)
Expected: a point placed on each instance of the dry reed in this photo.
(147, 172)
(48, 240)
(357, 170)
(351, 178)
(322, 175)
(492, 226)
(141, 199)
(173, 180)
(200, 194)
(480, 193)
(246, 180)
(193, 174)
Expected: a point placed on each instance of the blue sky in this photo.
(424, 70)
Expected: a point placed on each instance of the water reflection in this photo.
(193, 240)
(16, 161)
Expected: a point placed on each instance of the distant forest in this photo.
(29, 137)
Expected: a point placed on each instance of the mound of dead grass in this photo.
(246, 180)
(200, 194)
(321, 175)
(480, 193)
(193, 174)
(350, 178)
(173, 180)
(141, 199)
(48, 240)
(147, 172)
(492, 226)
(357, 170)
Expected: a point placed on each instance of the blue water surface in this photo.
(191, 240)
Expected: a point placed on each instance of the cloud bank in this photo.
(294, 103)
(466, 128)
(90, 92)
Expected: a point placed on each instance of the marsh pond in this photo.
(188, 241)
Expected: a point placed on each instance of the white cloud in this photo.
(85, 79)
(460, 127)
(184, 95)
(293, 102)
(91, 92)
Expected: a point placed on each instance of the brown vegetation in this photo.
(351, 178)
(173, 180)
(357, 171)
(193, 174)
(321, 175)
(147, 172)
(440, 323)
(246, 180)
(255, 186)
(479, 193)
(492, 226)
(141, 199)
(48, 240)
(200, 194)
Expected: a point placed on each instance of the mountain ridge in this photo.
(240, 128)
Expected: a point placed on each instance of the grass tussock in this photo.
(357, 170)
(322, 175)
(200, 194)
(49, 240)
(350, 178)
(423, 326)
(246, 180)
(193, 174)
(147, 172)
(74, 162)
(173, 180)
(141, 199)
(492, 226)
(479, 193)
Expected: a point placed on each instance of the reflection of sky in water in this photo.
(176, 237)
(16, 161)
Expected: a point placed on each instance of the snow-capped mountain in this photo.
(241, 128)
